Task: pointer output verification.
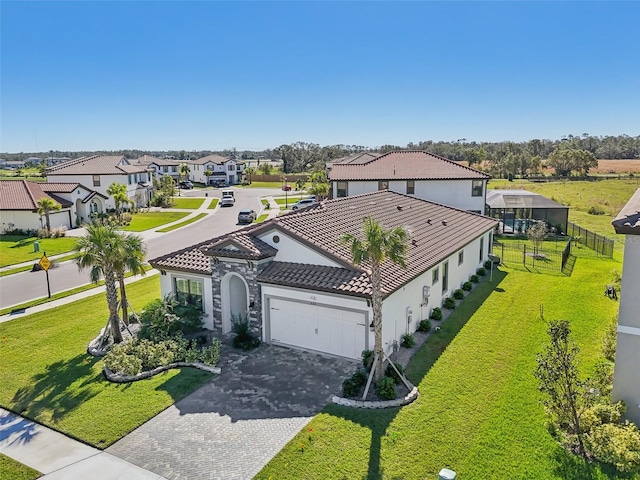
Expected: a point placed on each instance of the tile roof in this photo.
(436, 232)
(189, 259)
(60, 187)
(628, 220)
(210, 158)
(24, 195)
(96, 165)
(149, 159)
(317, 277)
(356, 158)
(404, 165)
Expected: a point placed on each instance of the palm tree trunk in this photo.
(48, 220)
(123, 298)
(376, 299)
(112, 301)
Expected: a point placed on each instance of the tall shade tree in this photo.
(47, 205)
(118, 191)
(130, 258)
(377, 246)
(100, 251)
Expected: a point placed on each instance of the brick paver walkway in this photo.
(232, 426)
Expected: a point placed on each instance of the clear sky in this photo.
(253, 75)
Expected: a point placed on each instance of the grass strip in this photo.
(182, 224)
(261, 218)
(11, 469)
(148, 220)
(48, 377)
(213, 204)
(187, 203)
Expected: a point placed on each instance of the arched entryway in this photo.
(234, 297)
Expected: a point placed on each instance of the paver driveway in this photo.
(232, 426)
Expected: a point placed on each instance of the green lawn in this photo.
(13, 470)
(12, 271)
(147, 220)
(19, 248)
(213, 204)
(261, 218)
(479, 410)
(186, 202)
(182, 224)
(47, 376)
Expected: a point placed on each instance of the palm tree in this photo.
(45, 206)
(131, 258)
(208, 173)
(377, 246)
(119, 193)
(100, 250)
(184, 171)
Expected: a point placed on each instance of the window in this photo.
(445, 277)
(383, 185)
(189, 291)
(411, 187)
(238, 168)
(231, 167)
(342, 190)
(481, 249)
(476, 188)
(435, 276)
(96, 180)
(461, 257)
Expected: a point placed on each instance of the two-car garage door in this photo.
(317, 327)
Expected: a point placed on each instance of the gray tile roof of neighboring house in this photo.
(210, 158)
(189, 259)
(436, 232)
(628, 220)
(404, 165)
(317, 277)
(356, 158)
(96, 165)
(519, 199)
(24, 195)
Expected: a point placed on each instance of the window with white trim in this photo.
(189, 291)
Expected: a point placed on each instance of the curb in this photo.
(398, 402)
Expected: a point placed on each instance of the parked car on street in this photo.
(247, 216)
(218, 182)
(286, 188)
(186, 185)
(306, 202)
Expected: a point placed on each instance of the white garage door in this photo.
(316, 327)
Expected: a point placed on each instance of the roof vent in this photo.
(414, 242)
(399, 207)
(444, 222)
(428, 221)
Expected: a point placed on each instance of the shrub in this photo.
(211, 354)
(162, 319)
(425, 325)
(349, 388)
(449, 303)
(119, 361)
(487, 264)
(601, 413)
(458, 294)
(467, 286)
(474, 278)
(616, 444)
(386, 388)
(436, 314)
(126, 218)
(407, 340)
(610, 338)
(481, 272)
(367, 359)
(243, 338)
(595, 210)
(59, 232)
(359, 377)
(391, 373)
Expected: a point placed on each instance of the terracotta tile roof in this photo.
(148, 159)
(190, 259)
(317, 277)
(210, 158)
(404, 165)
(24, 195)
(60, 187)
(96, 165)
(628, 220)
(436, 232)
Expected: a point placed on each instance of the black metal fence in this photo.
(601, 245)
(523, 254)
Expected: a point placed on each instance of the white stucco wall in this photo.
(105, 181)
(394, 307)
(291, 250)
(626, 380)
(27, 220)
(454, 193)
(166, 288)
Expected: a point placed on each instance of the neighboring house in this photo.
(416, 173)
(12, 164)
(626, 378)
(515, 208)
(50, 161)
(19, 204)
(99, 171)
(160, 166)
(294, 278)
(224, 169)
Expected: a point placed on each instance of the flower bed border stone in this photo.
(398, 402)
(117, 378)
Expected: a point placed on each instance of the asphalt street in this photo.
(23, 287)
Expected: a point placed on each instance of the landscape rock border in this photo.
(398, 402)
(117, 378)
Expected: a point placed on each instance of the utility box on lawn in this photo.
(36, 246)
(446, 474)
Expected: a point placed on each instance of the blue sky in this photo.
(254, 75)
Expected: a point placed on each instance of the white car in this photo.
(307, 202)
(228, 200)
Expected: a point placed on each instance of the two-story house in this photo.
(97, 172)
(417, 173)
(160, 166)
(222, 169)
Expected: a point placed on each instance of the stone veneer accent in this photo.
(249, 270)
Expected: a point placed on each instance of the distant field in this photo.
(617, 166)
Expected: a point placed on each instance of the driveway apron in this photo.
(232, 426)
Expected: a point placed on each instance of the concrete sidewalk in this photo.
(60, 457)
